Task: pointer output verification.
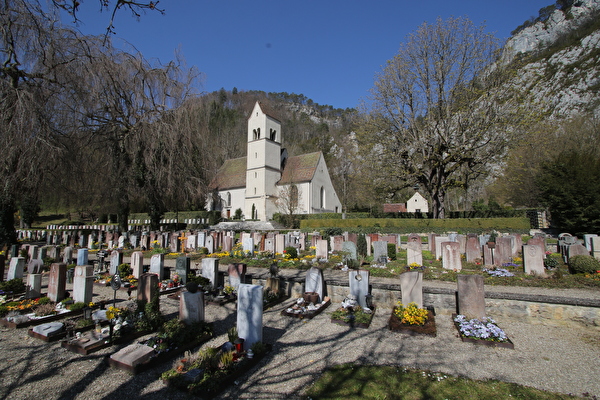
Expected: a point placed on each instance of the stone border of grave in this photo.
(429, 329)
(356, 324)
(77, 345)
(225, 381)
(47, 318)
(60, 335)
(307, 314)
(157, 358)
(482, 342)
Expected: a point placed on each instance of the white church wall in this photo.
(330, 202)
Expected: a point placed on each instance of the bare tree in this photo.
(288, 201)
(439, 118)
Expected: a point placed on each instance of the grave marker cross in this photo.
(183, 239)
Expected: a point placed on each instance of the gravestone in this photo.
(321, 251)
(34, 286)
(49, 329)
(431, 242)
(82, 257)
(451, 256)
(68, 255)
(33, 252)
(280, 243)
(380, 252)
(121, 241)
(250, 314)
(587, 240)
(116, 259)
(336, 243)
(137, 263)
(133, 355)
(577, 250)
(313, 282)
(191, 307)
(503, 250)
(35, 266)
(210, 270)
(471, 297)
(15, 268)
(236, 273)
(359, 285)
(473, 249)
(57, 282)
(488, 254)
(42, 253)
(54, 253)
(248, 245)
(596, 247)
(182, 268)
(147, 287)
(157, 265)
(533, 261)
(83, 283)
(210, 244)
(414, 250)
(269, 245)
(538, 241)
(227, 243)
(349, 249)
(201, 239)
(14, 251)
(438, 245)
(411, 286)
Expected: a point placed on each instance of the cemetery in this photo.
(205, 319)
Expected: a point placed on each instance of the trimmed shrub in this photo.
(583, 264)
(292, 252)
(391, 247)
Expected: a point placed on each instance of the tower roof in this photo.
(268, 111)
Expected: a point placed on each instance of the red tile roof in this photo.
(232, 175)
(300, 168)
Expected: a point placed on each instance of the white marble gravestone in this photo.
(359, 285)
(116, 259)
(83, 283)
(248, 245)
(210, 270)
(451, 256)
(137, 263)
(250, 314)
(68, 255)
(314, 282)
(34, 286)
(414, 250)
(157, 265)
(210, 244)
(411, 286)
(15, 268)
(322, 252)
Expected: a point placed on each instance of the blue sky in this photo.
(328, 50)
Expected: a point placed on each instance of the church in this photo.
(267, 181)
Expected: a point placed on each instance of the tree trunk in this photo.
(439, 207)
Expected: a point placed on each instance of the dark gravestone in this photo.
(182, 268)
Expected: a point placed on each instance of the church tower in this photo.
(263, 169)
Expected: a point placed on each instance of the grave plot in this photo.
(30, 314)
(409, 316)
(472, 323)
(350, 313)
(211, 370)
(312, 302)
(53, 331)
(173, 339)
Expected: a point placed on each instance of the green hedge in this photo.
(461, 225)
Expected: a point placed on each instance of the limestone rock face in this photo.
(560, 72)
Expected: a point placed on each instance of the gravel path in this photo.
(544, 357)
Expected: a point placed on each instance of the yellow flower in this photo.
(91, 304)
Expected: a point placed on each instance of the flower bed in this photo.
(302, 309)
(412, 320)
(353, 316)
(211, 370)
(30, 319)
(481, 332)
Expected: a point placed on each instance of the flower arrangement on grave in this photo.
(484, 329)
(271, 296)
(205, 372)
(229, 290)
(175, 333)
(415, 267)
(411, 314)
(501, 272)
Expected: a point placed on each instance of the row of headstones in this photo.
(570, 246)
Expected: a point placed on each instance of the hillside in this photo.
(559, 58)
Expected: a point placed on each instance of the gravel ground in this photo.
(544, 357)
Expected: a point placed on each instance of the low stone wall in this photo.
(544, 310)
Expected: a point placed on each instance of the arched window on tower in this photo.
(228, 199)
